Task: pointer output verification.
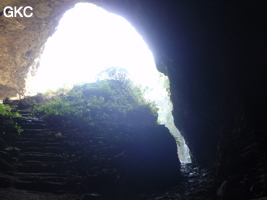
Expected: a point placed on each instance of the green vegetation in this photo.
(61, 91)
(58, 135)
(7, 116)
(106, 104)
(6, 111)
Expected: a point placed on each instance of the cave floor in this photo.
(196, 184)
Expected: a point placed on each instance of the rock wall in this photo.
(211, 51)
(22, 39)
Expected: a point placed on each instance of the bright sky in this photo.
(89, 39)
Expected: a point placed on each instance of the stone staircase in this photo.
(39, 158)
(113, 164)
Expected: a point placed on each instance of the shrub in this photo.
(7, 116)
(106, 103)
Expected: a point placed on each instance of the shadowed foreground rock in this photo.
(136, 160)
(151, 161)
(113, 164)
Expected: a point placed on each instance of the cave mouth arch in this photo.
(90, 39)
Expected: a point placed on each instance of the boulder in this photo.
(150, 160)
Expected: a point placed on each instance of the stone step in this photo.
(26, 114)
(55, 179)
(40, 139)
(43, 150)
(33, 162)
(24, 175)
(36, 144)
(12, 104)
(41, 168)
(33, 125)
(46, 157)
(5, 156)
(41, 144)
(37, 136)
(25, 110)
(10, 160)
(33, 133)
(30, 120)
(40, 186)
(36, 130)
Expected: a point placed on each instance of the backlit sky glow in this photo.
(88, 40)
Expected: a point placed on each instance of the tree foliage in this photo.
(108, 103)
(7, 117)
(114, 73)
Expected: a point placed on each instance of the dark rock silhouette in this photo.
(114, 164)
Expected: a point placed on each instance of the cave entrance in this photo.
(90, 39)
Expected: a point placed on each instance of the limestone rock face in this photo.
(22, 38)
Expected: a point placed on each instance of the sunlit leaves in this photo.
(8, 117)
(105, 103)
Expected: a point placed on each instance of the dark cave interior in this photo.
(214, 55)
